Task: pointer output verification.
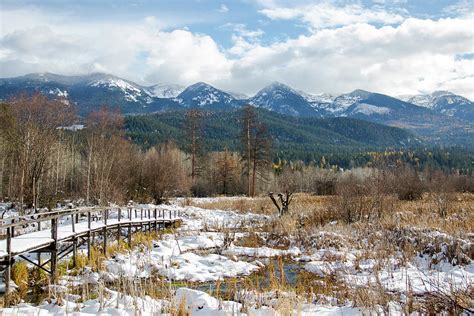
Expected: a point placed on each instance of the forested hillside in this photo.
(341, 141)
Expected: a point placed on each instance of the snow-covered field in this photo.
(212, 247)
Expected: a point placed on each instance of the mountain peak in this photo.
(164, 90)
(202, 94)
(278, 85)
(440, 93)
(360, 93)
(200, 84)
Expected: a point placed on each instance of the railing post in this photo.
(8, 268)
(74, 242)
(89, 235)
(149, 220)
(54, 250)
(13, 229)
(38, 256)
(129, 236)
(73, 224)
(118, 226)
(104, 232)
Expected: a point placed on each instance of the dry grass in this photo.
(20, 276)
(308, 212)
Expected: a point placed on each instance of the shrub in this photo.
(20, 277)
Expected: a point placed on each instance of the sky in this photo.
(397, 47)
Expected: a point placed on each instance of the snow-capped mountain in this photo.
(237, 95)
(440, 112)
(281, 98)
(203, 95)
(131, 92)
(446, 103)
(165, 90)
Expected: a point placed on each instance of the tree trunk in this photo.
(88, 185)
(249, 159)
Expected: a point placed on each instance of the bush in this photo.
(20, 277)
(408, 185)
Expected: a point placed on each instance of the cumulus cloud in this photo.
(325, 14)
(223, 8)
(415, 55)
(138, 51)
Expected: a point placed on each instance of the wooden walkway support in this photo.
(69, 230)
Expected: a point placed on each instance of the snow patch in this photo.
(369, 109)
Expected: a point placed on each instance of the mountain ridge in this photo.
(447, 118)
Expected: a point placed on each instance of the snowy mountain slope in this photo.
(445, 102)
(165, 90)
(203, 95)
(280, 98)
(440, 115)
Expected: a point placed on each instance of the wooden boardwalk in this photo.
(60, 233)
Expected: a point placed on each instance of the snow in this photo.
(59, 92)
(200, 251)
(261, 252)
(437, 100)
(343, 102)
(417, 277)
(369, 109)
(162, 90)
(237, 95)
(203, 95)
(74, 127)
(318, 98)
(172, 258)
(34, 240)
(198, 303)
(116, 304)
(130, 91)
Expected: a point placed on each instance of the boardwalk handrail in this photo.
(44, 216)
(150, 217)
(20, 220)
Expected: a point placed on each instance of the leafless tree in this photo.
(30, 125)
(194, 133)
(226, 168)
(255, 148)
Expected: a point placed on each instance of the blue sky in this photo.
(391, 46)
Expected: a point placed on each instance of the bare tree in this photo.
(165, 174)
(248, 124)
(104, 133)
(255, 148)
(194, 131)
(226, 168)
(30, 125)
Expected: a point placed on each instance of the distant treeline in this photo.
(341, 142)
(43, 160)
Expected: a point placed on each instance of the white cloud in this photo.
(137, 51)
(324, 14)
(461, 8)
(415, 56)
(223, 9)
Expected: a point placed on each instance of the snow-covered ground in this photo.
(207, 248)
